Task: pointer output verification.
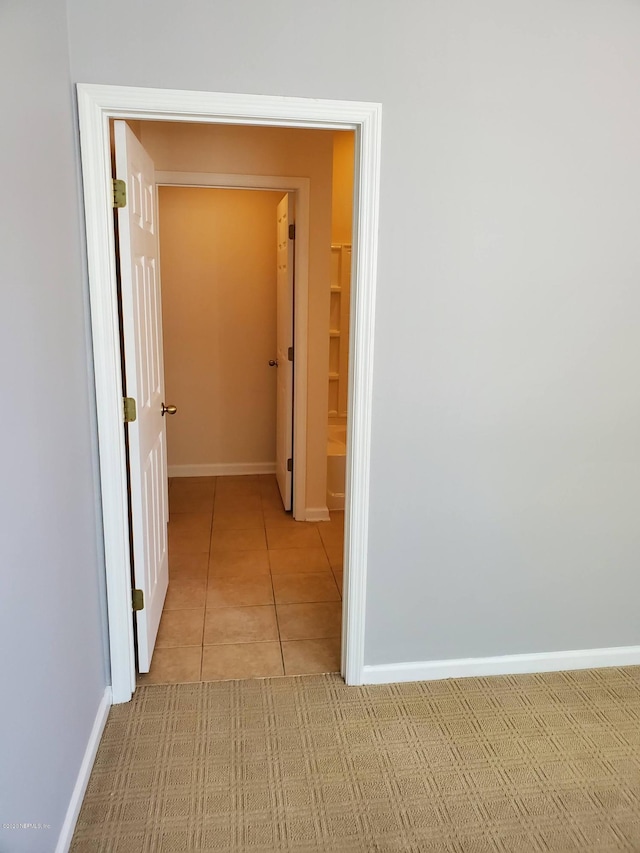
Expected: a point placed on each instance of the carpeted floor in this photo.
(524, 763)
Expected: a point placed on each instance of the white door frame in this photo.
(301, 189)
(98, 104)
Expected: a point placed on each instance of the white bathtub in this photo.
(336, 465)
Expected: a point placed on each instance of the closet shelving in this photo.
(339, 329)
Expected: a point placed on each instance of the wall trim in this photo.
(317, 513)
(222, 469)
(97, 104)
(501, 665)
(75, 803)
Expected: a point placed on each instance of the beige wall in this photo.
(273, 151)
(342, 202)
(218, 262)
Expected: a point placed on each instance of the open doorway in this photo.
(251, 591)
(98, 104)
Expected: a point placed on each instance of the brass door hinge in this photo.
(290, 353)
(129, 407)
(292, 231)
(137, 596)
(289, 464)
(119, 189)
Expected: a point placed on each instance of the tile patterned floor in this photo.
(252, 593)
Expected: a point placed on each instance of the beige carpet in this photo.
(531, 763)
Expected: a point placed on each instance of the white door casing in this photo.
(284, 345)
(96, 105)
(144, 379)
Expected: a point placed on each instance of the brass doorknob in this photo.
(273, 362)
(169, 410)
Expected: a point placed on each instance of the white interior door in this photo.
(284, 338)
(144, 379)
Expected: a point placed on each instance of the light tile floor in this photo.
(252, 593)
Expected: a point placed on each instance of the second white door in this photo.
(284, 348)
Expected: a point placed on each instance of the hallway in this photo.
(252, 593)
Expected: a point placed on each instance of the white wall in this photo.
(218, 263)
(505, 487)
(53, 671)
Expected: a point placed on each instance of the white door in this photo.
(144, 380)
(284, 340)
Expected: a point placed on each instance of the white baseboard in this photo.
(502, 665)
(317, 513)
(223, 469)
(71, 817)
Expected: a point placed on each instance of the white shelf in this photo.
(339, 284)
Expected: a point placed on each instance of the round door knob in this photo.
(169, 410)
(273, 362)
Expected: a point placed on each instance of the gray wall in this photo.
(53, 673)
(505, 479)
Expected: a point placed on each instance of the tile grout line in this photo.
(333, 574)
(273, 590)
(206, 589)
